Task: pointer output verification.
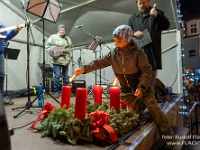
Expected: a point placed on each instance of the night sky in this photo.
(190, 6)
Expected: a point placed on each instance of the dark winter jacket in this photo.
(155, 25)
(130, 66)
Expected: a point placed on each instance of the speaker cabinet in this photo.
(76, 84)
(191, 52)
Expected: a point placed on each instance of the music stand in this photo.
(93, 46)
(48, 10)
(9, 53)
(48, 75)
(97, 42)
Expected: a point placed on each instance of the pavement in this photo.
(25, 139)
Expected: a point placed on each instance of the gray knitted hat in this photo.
(61, 26)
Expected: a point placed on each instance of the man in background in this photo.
(4, 37)
(57, 42)
(154, 21)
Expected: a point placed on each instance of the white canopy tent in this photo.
(100, 18)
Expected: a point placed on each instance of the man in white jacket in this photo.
(56, 42)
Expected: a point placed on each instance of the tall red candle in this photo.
(115, 98)
(65, 99)
(80, 105)
(98, 94)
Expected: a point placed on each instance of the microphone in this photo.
(79, 26)
(154, 5)
(23, 4)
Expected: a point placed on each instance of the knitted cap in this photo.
(61, 26)
(125, 32)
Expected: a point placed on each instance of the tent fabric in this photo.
(93, 18)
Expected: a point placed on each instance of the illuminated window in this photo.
(193, 28)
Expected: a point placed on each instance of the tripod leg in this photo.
(17, 108)
(27, 106)
(107, 96)
(90, 92)
(52, 97)
(20, 112)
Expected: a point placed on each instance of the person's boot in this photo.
(7, 101)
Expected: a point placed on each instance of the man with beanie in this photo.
(132, 69)
(154, 21)
(57, 41)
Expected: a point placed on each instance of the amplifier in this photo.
(76, 84)
(52, 85)
(49, 74)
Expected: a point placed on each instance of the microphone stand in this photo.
(28, 103)
(95, 80)
(44, 70)
(100, 45)
(97, 41)
(6, 55)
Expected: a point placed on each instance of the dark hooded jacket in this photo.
(130, 66)
(155, 25)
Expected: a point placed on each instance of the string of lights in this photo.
(182, 29)
(191, 76)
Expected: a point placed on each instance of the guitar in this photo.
(56, 51)
(14, 27)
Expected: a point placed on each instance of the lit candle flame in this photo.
(115, 82)
(72, 78)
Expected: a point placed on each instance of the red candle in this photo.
(115, 98)
(65, 99)
(80, 105)
(98, 94)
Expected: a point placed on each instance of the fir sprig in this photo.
(61, 122)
